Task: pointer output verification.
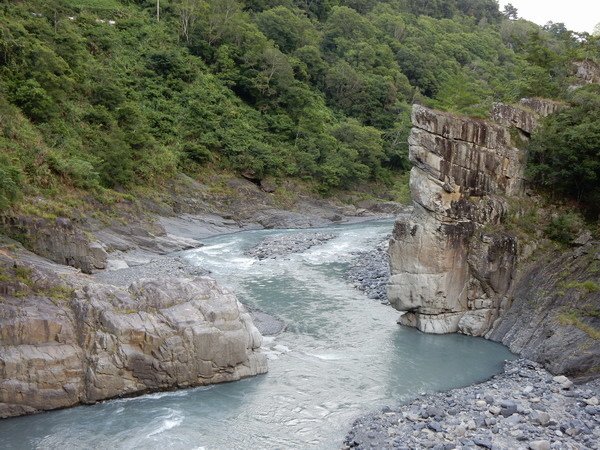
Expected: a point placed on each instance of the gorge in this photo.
(341, 354)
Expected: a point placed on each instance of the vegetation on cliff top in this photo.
(100, 95)
(565, 151)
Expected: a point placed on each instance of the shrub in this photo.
(10, 183)
(565, 227)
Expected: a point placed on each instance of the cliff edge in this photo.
(456, 266)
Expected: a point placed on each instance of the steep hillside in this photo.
(105, 95)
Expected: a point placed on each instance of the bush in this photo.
(34, 101)
(565, 227)
(10, 183)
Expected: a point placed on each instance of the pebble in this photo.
(495, 410)
(539, 445)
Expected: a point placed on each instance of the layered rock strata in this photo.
(62, 346)
(450, 269)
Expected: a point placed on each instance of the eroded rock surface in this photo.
(59, 240)
(450, 268)
(552, 314)
(64, 345)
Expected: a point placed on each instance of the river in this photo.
(341, 355)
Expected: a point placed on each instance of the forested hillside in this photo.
(106, 94)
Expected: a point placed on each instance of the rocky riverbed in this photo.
(370, 271)
(523, 408)
(279, 246)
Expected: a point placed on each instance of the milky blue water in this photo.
(341, 355)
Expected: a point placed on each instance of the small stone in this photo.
(435, 426)
(528, 390)
(541, 417)
(481, 403)
(508, 408)
(495, 410)
(593, 410)
(460, 431)
(535, 400)
(592, 401)
(471, 425)
(539, 445)
(513, 420)
(481, 442)
(558, 433)
(564, 382)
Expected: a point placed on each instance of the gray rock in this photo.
(540, 417)
(508, 408)
(539, 445)
(513, 420)
(446, 272)
(112, 341)
(277, 246)
(482, 442)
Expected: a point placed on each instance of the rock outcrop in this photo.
(59, 240)
(65, 345)
(451, 265)
(553, 313)
(587, 71)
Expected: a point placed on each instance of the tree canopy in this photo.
(100, 95)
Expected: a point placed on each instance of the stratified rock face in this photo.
(58, 240)
(552, 313)
(109, 341)
(449, 273)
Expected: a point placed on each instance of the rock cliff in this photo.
(451, 264)
(73, 340)
(553, 312)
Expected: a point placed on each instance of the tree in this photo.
(189, 11)
(510, 12)
(565, 151)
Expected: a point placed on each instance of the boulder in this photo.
(109, 341)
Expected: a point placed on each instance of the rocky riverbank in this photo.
(525, 407)
(370, 271)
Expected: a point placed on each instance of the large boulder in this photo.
(60, 347)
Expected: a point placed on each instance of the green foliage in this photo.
(565, 152)
(99, 95)
(565, 227)
(10, 183)
(586, 286)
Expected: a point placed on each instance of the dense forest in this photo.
(105, 95)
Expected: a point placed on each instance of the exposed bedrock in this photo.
(451, 267)
(61, 347)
